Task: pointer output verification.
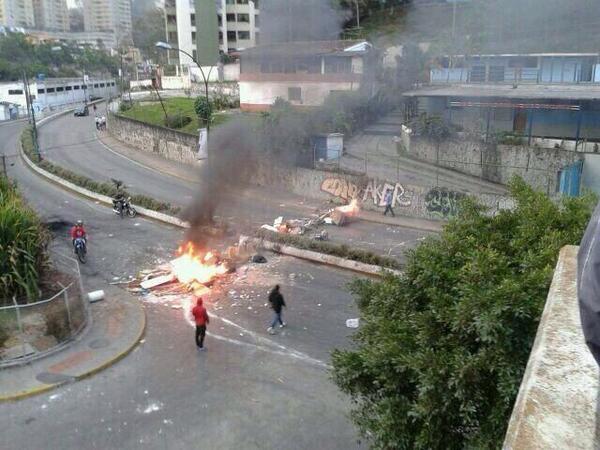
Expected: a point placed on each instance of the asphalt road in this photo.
(71, 142)
(250, 390)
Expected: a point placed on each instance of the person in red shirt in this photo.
(78, 232)
(201, 319)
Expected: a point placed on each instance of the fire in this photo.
(351, 209)
(192, 265)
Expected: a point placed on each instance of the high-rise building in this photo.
(237, 22)
(51, 15)
(108, 15)
(17, 13)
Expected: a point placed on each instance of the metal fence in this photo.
(31, 330)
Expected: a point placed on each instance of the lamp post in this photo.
(205, 78)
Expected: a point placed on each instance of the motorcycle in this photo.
(80, 249)
(122, 206)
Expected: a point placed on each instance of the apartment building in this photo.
(238, 23)
(109, 16)
(17, 13)
(51, 15)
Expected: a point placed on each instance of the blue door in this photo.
(570, 179)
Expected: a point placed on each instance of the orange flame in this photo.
(351, 209)
(193, 266)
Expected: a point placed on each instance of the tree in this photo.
(442, 349)
(149, 28)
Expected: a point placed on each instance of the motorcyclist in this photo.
(78, 232)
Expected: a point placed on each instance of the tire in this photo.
(80, 254)
(131, 212)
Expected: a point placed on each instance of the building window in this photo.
(243, 35)
(60, 89)
(220, 19)
(96, 85)
(193, 36)
(15, 92)
(256, 20)
(256, 39)
(76, 87)
(231, 36)
(101, 84)
(242, 2)
(295, 94)
(40, 91)
(243, 18)
(220, 37)
(172, 19)
(69, 88)
(83, 86)
(230, 2)
(195, 54)
(338, 65)
(193, 19)
(172, 36)
(255, 4)
(230, 17)
(49, 90)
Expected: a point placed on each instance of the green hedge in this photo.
(329, 248)
(23, 242)
(99, 187)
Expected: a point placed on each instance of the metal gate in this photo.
(569, 179)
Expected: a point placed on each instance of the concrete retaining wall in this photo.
(169, 144)
(494, 162)
(557, 406)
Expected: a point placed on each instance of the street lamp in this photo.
(167, 46)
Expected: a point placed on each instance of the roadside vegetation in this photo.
(99, 187)
(442, 350)
(23, 241)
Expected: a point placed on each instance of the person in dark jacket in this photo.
(277, 303)
(201, 319)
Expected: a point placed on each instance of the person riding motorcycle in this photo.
(78, 232)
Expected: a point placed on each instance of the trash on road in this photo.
(352, 323)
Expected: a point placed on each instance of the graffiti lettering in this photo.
(374, 191)
(442, 202)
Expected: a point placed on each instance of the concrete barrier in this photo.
(322, 258)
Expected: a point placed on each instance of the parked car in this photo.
(82, 111)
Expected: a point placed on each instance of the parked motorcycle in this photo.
(80, 249)
(123, 206)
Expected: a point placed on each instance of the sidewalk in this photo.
(189, 174)
(118, 324)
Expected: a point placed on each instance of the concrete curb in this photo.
(104, 365)
(322, 258)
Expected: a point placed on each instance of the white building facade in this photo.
(112, 16)
(56, 92)
(51, 15)
(238, 27)
(17, 13)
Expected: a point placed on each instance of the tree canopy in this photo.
(440, 355)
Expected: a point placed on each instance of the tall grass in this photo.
(23, 241)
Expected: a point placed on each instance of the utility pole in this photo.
(31, 109)
(357, 15)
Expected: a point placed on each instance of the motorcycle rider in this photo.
(78, 232)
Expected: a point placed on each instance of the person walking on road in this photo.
(388, 198)
(277, 303)
(201, 319)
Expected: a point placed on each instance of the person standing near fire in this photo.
(277, 304)
(201, 318)
(389, 199)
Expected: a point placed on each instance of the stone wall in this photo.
(494, 162)
(170, 144)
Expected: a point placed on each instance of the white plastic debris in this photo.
(352, 323)
(96, 296)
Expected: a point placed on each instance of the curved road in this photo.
(249, 391)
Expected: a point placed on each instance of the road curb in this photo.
(104, 365)
(322, 258)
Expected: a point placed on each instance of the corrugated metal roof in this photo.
(309, 48)
(533, 92)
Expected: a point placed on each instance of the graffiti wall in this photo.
(442, 203)
(373, 192)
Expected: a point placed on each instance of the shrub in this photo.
(442, 349)
(23, 242)
(329, 248)
(125, 106)
(177, 120)
(204, 109)
(432, 127)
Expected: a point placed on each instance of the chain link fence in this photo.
(31, 330)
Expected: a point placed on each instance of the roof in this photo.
(309, 48)
(510, 55)
(523, 91)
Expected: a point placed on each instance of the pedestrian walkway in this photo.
(118, 323)
(297, 204)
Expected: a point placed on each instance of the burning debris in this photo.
(339, 216)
